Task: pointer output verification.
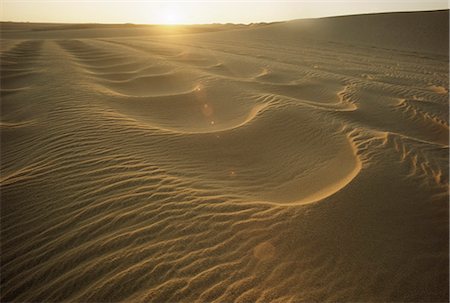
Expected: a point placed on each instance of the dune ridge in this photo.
(226, 164)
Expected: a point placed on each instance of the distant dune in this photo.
(414, 31)
(299, 161)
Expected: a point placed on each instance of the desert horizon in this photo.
(283, 161)
(169, 24)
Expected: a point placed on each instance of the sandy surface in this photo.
(286, 162)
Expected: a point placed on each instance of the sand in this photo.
(285, 162)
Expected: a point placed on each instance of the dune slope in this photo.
(265, 163)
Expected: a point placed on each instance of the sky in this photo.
(197, 12)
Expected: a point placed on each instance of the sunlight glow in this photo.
(195, 11)
(172, 18)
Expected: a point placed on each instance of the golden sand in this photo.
(289, 162)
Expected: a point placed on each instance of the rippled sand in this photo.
(285, 162)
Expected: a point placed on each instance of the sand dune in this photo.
(286, 162)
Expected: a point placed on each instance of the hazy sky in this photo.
(220, 11)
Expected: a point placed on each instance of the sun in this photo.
(171, 18)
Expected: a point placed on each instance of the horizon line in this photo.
(228, 23)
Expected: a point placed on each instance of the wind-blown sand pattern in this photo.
(285, 162)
